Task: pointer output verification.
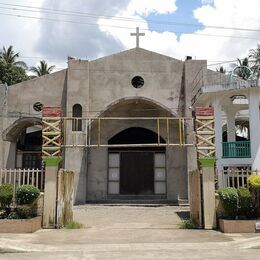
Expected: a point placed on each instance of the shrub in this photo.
(26, 211)
(26, 194)
(6, 195)
(229, 200)
(187, 224)
(254, 181)
(13, 215)
(3, 214)
(73, 225)
(246, 208)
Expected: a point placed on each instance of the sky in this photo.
(88, 29)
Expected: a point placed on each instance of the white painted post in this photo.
(231, 125)
(254, 118)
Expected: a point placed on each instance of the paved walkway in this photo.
(129, 232)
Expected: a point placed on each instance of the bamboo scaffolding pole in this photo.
(126, 145)
(86, 133)
(158, 130)
(121, 118)
(168, 133)
(99, 120)
(180, 131)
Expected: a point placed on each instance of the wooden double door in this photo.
(137, 173)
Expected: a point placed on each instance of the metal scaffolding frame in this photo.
(83, 137)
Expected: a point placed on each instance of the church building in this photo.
(132, 137)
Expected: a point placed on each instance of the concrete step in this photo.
(139, 202)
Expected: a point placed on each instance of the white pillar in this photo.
(254, 119)
(231, 125)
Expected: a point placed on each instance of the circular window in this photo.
(137, 82)
(37, 106)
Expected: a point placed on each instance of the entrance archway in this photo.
(136, 170)
(25, 135)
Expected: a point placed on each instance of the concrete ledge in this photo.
(20, 225)
(237, 226)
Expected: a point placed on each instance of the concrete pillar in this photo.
(254, 129)
(208, 192)
(3, 118)
(231, 125)
(50, 191)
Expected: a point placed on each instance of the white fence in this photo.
(19, 177)
(233, 177)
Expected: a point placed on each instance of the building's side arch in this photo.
(14, 130)
(23, 143)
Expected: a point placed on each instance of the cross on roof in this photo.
(137, 34)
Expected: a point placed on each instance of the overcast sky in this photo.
(95, 29)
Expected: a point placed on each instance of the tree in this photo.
(42, 69)
(242, 70)
(11, 74)
(254, 54)
(9, 57)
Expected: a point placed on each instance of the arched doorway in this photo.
(29, 148)
(136, 170)
(25, 136)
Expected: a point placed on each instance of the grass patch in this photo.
(187, 224)
(74, 225)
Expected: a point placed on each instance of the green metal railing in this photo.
(236, 149)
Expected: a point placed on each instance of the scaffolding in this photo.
(93, 132)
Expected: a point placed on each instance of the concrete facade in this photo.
(103, 89)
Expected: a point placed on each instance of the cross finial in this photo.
(137, 34)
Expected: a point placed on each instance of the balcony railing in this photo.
(236, 149)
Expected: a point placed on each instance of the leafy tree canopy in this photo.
(42, 69)
(11, 74)
(9, 57)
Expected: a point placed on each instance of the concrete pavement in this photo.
(129, 232)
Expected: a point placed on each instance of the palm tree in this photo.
(42, 69)
(255, 55)
(9, 57)
(242, 70)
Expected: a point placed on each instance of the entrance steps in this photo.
(143, 200)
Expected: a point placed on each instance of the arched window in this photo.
(77, 113)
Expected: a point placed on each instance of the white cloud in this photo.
(145, 7)
(21, 33)
(232, 13)
(207, 2)
(54, 40)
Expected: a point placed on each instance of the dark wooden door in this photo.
(136, 173)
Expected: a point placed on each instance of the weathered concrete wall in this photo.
(110, 79)
(77, 93)
(47, 89)
(192, 68)
(20, 99)
(65, 197)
